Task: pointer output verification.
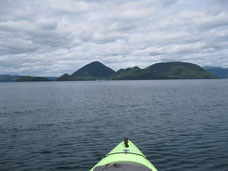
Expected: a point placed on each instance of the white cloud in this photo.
(53, 37)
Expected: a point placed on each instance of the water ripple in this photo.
(178, 124)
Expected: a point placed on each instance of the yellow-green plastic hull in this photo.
(125, 154)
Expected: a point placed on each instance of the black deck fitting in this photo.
(126, 142)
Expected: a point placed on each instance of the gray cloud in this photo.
(57, 36)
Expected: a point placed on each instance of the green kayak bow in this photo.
(125, 156)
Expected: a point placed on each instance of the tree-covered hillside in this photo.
(169, 70)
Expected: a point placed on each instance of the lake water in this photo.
(180, 125)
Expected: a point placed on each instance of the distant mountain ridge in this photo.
(19, 78)
(168, 70)
(8, 78)
(219, 71)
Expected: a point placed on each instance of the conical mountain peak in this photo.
(94, 70)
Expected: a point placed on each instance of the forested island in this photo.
(169, 70)
(98, 71)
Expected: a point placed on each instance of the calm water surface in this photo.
(180, 125)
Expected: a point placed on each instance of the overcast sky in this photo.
(52, 37)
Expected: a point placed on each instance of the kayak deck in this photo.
(122, 167)
(125, 155)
